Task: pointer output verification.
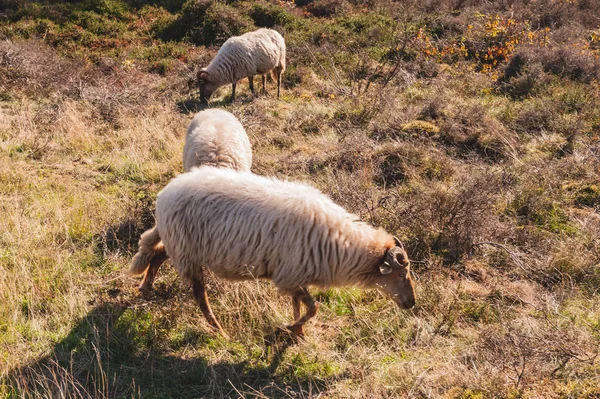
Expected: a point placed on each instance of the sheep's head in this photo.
(394, 277)
(207, 88)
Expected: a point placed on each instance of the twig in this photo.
(511, 253)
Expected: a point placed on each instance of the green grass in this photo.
(490, 182)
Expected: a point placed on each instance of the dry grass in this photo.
(495, 196)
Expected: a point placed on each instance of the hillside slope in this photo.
(470, 129)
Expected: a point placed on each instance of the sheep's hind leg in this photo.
(157, 260)
(302, 295)
(278, 72)
(264, 82)
(251, 84)
(202, 300)
(232, 92)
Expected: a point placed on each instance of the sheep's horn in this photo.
(398, 242)
(396, 257)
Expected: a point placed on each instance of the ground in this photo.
(469, 129)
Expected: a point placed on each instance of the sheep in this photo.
(214, 137)
(243, 226)
(253, 53)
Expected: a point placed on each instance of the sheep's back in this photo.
(215, 137)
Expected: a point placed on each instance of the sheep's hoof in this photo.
(145, 291)
(283, 336)
(297, 331)
(220, 331)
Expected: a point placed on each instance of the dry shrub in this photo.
(31, 66)
(555, 14)
(574, 261)
(448, 218)
(396, 163)
(222, 22)
(469, 128)
(433, 109)
(521, 79)
(355, 153)
(328, 8)
(535, 116)
(529, 350)
(421, 67)
(392, 166)
(530, 62)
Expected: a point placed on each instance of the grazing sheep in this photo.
(253, 53)
(243, 226)
(215, 137)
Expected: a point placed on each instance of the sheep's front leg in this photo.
(202, 300)
(296, 305)
(150, 275)
(233, 92)
(264, 82)
(251, 84)
(302, 295)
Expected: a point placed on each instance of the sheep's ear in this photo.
(385, 268)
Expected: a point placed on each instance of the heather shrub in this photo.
(530, 63)
(204, 22)
(522, 79)
(447, 218)
(534, 116)
(268, 16)
(328, 8)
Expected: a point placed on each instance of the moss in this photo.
(467, 394)
(588, 196)
(315, 368)
(137, 328)
(339, 301)
(419, 128)
(537, 207)
(479, 312)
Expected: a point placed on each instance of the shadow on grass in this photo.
(110, 353)
(193, 105)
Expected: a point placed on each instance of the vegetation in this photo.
(470, 129)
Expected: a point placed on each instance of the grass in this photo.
(455, 128)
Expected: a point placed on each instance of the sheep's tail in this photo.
(149, 246)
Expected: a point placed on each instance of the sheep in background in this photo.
(215, 137)
(253, 53)
(242, 226)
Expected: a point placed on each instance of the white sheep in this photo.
(253, 53)
(215, 137)
(243, 226)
